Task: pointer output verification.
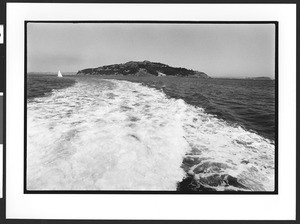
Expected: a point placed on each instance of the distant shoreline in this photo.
(75, 74)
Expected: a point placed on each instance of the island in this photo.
(143, 68)
(259, 78)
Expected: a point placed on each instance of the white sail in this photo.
(59, 74)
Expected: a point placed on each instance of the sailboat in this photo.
(59, 75)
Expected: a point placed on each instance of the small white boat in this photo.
(59, 75)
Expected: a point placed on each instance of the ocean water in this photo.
(150, 133)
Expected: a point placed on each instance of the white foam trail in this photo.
(117, 135)
(108, 135)
(219, 148)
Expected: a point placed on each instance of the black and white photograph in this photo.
(168, 107)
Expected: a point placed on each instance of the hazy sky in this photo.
(219, 50)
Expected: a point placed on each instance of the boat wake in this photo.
(118, 135)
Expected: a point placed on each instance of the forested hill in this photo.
(143, 68)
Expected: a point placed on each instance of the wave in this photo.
(118, 135)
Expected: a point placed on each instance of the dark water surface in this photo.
(249, 103)
(116, 133)
(41, 85)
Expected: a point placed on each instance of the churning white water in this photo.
(118, 135)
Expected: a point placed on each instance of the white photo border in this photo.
(169, 207)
